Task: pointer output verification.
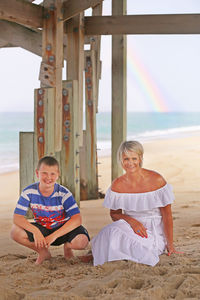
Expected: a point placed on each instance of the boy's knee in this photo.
(15, 233)
(80, 241)
(83, 241)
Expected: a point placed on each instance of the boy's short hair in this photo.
(49, 161)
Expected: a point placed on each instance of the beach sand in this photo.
(174, 277)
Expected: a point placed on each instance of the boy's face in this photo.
(47, 175)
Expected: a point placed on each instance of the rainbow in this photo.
(152, 95)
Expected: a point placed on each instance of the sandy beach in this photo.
(174, 277)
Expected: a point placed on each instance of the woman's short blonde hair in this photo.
(130, 146)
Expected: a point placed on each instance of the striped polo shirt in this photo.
(51, 211)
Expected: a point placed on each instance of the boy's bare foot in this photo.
(68, 253)
(42, 255)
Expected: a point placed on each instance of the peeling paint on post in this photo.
(66, 123)
(69, 157)
(90, 98)
(44, 121)
(52, 60)
(40, 122)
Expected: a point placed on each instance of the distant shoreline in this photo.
(104, 147)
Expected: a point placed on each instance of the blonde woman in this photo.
(140, 207)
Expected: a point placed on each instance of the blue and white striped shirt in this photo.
(51, 211)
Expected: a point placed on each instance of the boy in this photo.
(56, 215)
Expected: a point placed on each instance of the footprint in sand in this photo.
(195, 225)
(11, 257)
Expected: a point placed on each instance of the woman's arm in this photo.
(168, 227)
(137, 227)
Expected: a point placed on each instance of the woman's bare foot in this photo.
(86, 258)
(42, 255)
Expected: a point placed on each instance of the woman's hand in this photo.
(138, 228)
(171, 250)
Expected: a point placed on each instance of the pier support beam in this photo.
(44, 121)
(75, 62)
(69, 156)
(90, 109)
(52, 60)
(27, 162)
(119, 114)
(89, 180)
(95, 43)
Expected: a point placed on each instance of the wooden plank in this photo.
(75, 62)
(72, 8)
(44, 121)
(119, 62)
(90, 108)
(80, 76)
(22, 12)
(95, 42)
(47, 75)
(58, 74)
(143, 24)
(83, 170)
(20, 36)
(69, 157)
(26, 160)
(52, 55)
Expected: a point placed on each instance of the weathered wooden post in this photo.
(96, 46)
(119, 118)
(44, 121)
(90, 110)
(52, 61)
(26, 161)
(88, 152)
(69, 157)
(75, 62)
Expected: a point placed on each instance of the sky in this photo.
(162, 70)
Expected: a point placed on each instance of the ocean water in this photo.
(141, 126)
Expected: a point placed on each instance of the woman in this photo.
(140, 206)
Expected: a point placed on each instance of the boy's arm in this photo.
(22, 222)
(73, 223)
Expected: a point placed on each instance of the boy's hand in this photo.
(50, 239)
(39, 240)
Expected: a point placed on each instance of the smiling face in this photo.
(131, 162)
(47, 176)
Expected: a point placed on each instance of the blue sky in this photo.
(166, 64)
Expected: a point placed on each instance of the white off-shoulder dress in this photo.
(118, 241)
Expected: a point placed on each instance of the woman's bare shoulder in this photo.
(117, 184)
(157, 179)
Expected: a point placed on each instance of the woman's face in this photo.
(131, 162)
